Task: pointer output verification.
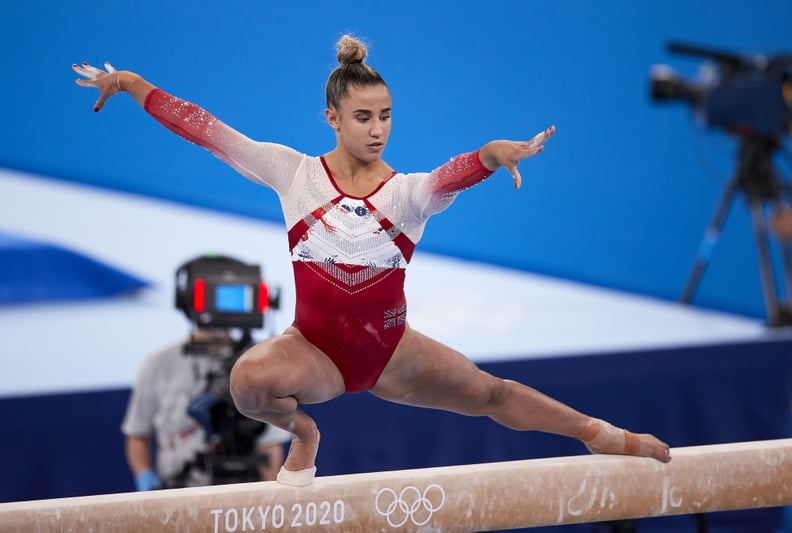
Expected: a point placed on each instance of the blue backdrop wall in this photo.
(620, 198)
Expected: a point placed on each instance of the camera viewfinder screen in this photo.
(234, 298)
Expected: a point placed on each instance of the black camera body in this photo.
(751, 95)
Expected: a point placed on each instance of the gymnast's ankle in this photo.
(601, 437)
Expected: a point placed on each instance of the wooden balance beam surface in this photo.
(517, 494)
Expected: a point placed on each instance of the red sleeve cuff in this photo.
(462, 172)
(150, 94)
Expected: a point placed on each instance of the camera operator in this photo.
(180, 414)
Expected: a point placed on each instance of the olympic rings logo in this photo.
(409, 504)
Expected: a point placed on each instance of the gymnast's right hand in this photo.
(107, 81)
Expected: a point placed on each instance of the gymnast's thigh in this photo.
(290, 365)
(427, 373)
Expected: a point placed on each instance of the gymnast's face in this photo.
(363, 121)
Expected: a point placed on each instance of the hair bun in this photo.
(350, 50)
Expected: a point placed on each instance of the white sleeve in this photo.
(266, 163)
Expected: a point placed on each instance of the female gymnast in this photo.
(353, 223)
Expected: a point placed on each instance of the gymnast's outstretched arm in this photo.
(441, 186)
(253, 159)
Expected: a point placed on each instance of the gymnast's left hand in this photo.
(508, 154)
(107, 81)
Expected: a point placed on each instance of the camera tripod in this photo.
(757, 179)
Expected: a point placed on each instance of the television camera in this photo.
(748, 96)
(224, 299)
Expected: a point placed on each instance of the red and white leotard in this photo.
(349, 254)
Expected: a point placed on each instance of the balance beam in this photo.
(516, 494)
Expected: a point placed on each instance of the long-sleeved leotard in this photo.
(348, 253)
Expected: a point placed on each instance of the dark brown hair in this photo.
(351, 71)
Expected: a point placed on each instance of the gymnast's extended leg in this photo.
(426, 373)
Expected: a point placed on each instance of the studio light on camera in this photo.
(218, 291)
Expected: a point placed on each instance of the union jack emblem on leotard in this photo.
(395, 317)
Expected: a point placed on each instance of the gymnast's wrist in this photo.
(488, 161)
(125, 79)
